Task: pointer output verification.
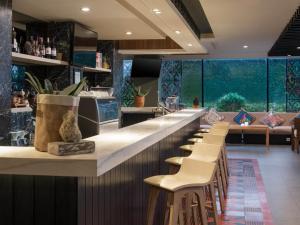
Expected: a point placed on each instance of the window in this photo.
(241, 78)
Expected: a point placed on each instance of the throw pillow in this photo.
(243, 116)
(212, 116)
(272, 120)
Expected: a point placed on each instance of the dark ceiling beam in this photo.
(289, 39)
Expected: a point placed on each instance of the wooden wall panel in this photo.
(167, 43)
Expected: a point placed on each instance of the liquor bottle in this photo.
(14, 41)
(48, 48)
(42, 48)
(53, 49)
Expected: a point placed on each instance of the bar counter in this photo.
(103, 188)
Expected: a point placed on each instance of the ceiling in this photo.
(256, 23)
(107, 17)
(235, 23)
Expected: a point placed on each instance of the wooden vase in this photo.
(49, 117)
(139, 101)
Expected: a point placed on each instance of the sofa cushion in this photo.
(243, 116)
(281, 130)
(213, 116)
(272, 120)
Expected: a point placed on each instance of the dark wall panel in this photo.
(5, 65)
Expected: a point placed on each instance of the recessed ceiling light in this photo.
(298, 48)
(190, 45)
(85, 9)
(156, 11)
(128, 33)
(245, 46)
(177, 32)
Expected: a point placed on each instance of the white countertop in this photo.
(112, 149)
(138, 109)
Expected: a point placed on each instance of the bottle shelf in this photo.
(34, 60)
(96, 70)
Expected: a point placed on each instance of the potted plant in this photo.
(51, 107)
(139, 96)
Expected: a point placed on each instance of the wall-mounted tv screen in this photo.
(146, 66)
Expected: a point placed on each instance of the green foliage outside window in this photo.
(231, 102)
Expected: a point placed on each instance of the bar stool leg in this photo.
(220, 191)
(152, 200)
(224, 184)
(174, 211)
(201, 206)
(225, 159)
(168, 208)
(214, 203)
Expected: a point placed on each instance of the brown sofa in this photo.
(284, 129)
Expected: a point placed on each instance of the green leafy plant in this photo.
(231, 102)
(72, 90)
(139, 92)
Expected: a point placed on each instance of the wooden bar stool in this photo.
(211, 139)
(206, 153)
(217, 139)
(192, 178)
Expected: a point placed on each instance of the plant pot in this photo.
(49, 117)
(139, 101)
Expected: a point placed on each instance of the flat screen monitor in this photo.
(146, 66)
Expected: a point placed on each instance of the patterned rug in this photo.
(246, 203)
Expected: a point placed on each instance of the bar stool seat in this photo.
(191, 179)
(195, 140)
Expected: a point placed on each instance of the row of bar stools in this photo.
(194, 183)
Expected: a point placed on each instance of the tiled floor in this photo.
(280, 169)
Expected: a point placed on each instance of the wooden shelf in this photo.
(34, 60)
(96, 70)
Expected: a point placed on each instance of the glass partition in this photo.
(276, 90)
(191, 82)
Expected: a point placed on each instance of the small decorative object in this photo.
(63, 148)
(59, 56)
(51, 107)
(28, 48)
(105, 63)
(196, 102)
(139, 96)
(69, 130)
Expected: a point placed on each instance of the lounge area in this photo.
(149, 112)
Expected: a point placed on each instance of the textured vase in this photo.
(49, 117)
